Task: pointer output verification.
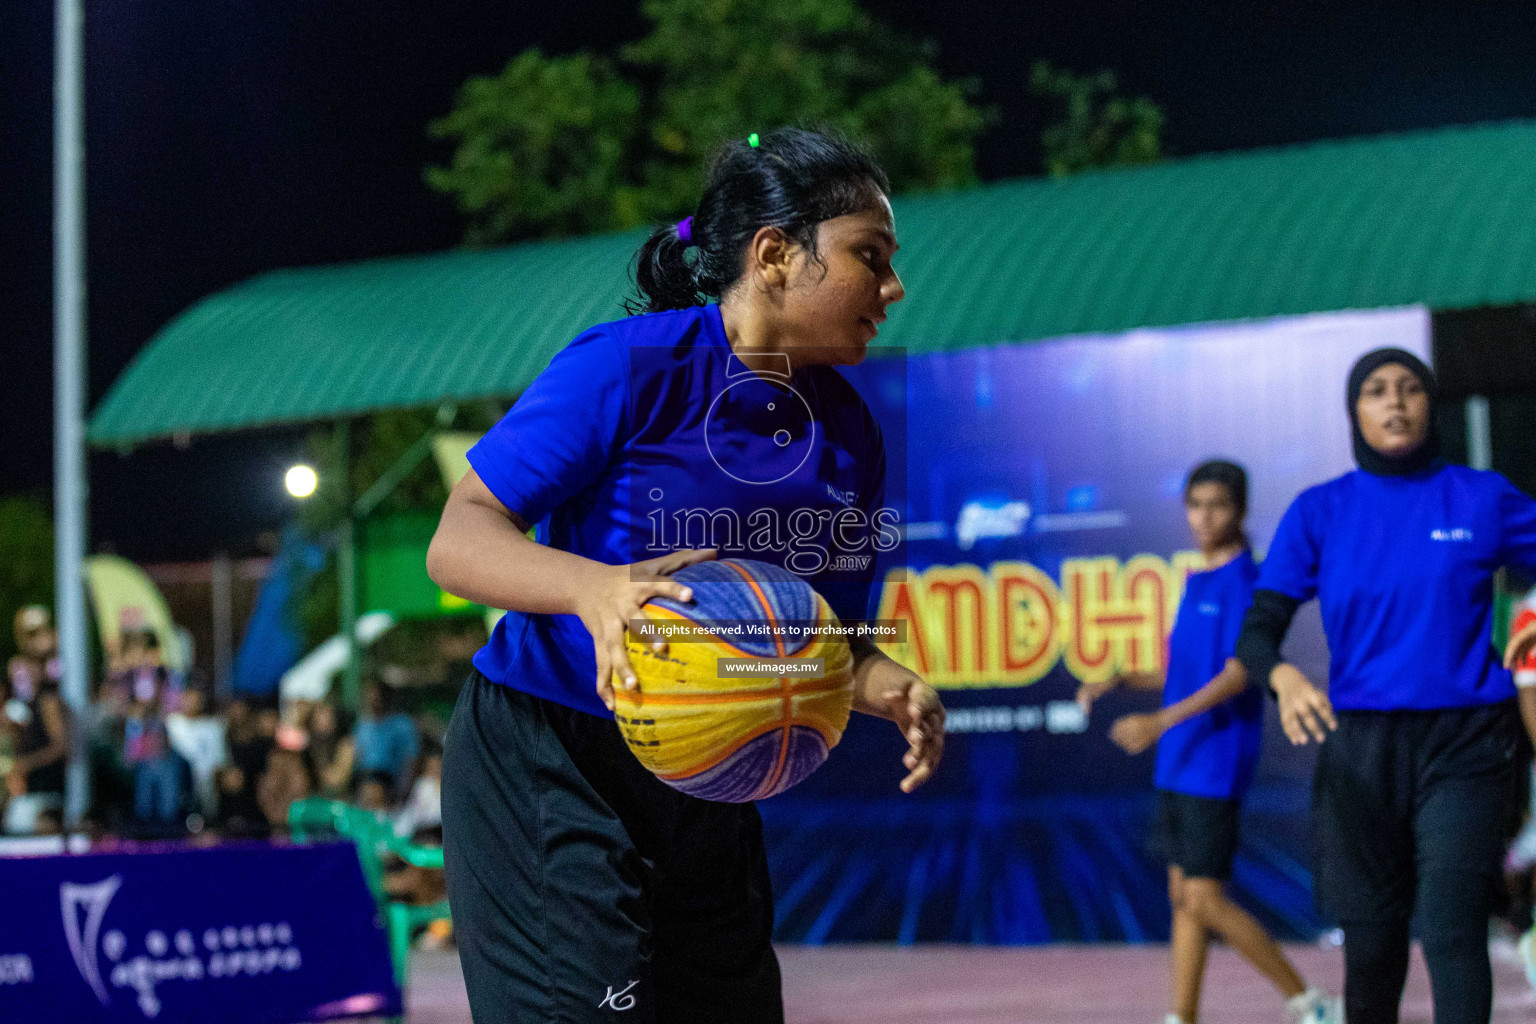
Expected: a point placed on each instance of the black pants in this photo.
(1409, 809)
(585, 889)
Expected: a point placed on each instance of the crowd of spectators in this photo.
(167, 762)
(34, 731)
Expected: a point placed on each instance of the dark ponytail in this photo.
(791, 179)
(663, 275)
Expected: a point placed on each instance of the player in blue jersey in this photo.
(1520, 864)
(1208, 735)
(583, 888)
(1418, 727)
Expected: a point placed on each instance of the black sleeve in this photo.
(1264, 627)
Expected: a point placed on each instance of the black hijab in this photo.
(1368, 458)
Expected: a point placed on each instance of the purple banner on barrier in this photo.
(248, 934)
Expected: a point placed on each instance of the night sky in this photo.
(226, 138)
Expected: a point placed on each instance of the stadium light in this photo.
(300, 481)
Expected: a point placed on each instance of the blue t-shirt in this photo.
(1214, 753)
(1403, 570)
(648, 435)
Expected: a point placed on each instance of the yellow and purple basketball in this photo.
(737, 737)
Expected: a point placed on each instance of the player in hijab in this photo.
(1418, 728)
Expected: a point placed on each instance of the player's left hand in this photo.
(916, 709)
(1135, 733)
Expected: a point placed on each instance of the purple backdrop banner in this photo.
(247, 934)
(1046, 545)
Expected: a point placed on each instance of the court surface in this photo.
(1017, 985)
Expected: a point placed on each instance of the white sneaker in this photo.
(1314, 1006)
(1173, 1018)
(1527, 947)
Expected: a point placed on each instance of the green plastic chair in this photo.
(375, 840)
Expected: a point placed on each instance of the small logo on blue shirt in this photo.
(848, 498)
(1460, 535)
(1209, 608)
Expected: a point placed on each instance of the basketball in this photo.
(748, 736)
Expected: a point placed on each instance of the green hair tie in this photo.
(752, 140)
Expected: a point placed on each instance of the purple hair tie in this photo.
(685, 230)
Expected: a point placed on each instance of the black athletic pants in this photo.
(1409, 811)
(584, 888)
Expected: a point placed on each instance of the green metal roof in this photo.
(1446, 218)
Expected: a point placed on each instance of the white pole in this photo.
(222, 580)
(1479, 433)
(69, 477)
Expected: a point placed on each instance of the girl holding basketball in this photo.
(1208, 736)
(1418, 728)
(583, 886)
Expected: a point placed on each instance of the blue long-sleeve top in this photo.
(1402, 567)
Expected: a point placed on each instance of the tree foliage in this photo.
(1097, 126)
(542, 148)
(564, 145)
(26, 562)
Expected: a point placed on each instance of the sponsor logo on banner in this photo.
(979, 521)
(15, 969)
(84, 907)
(163, 954)
(1010, 624)
(1057, 717)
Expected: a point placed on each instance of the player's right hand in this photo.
(1135, 733)
(1306, 713)
(607, 609)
